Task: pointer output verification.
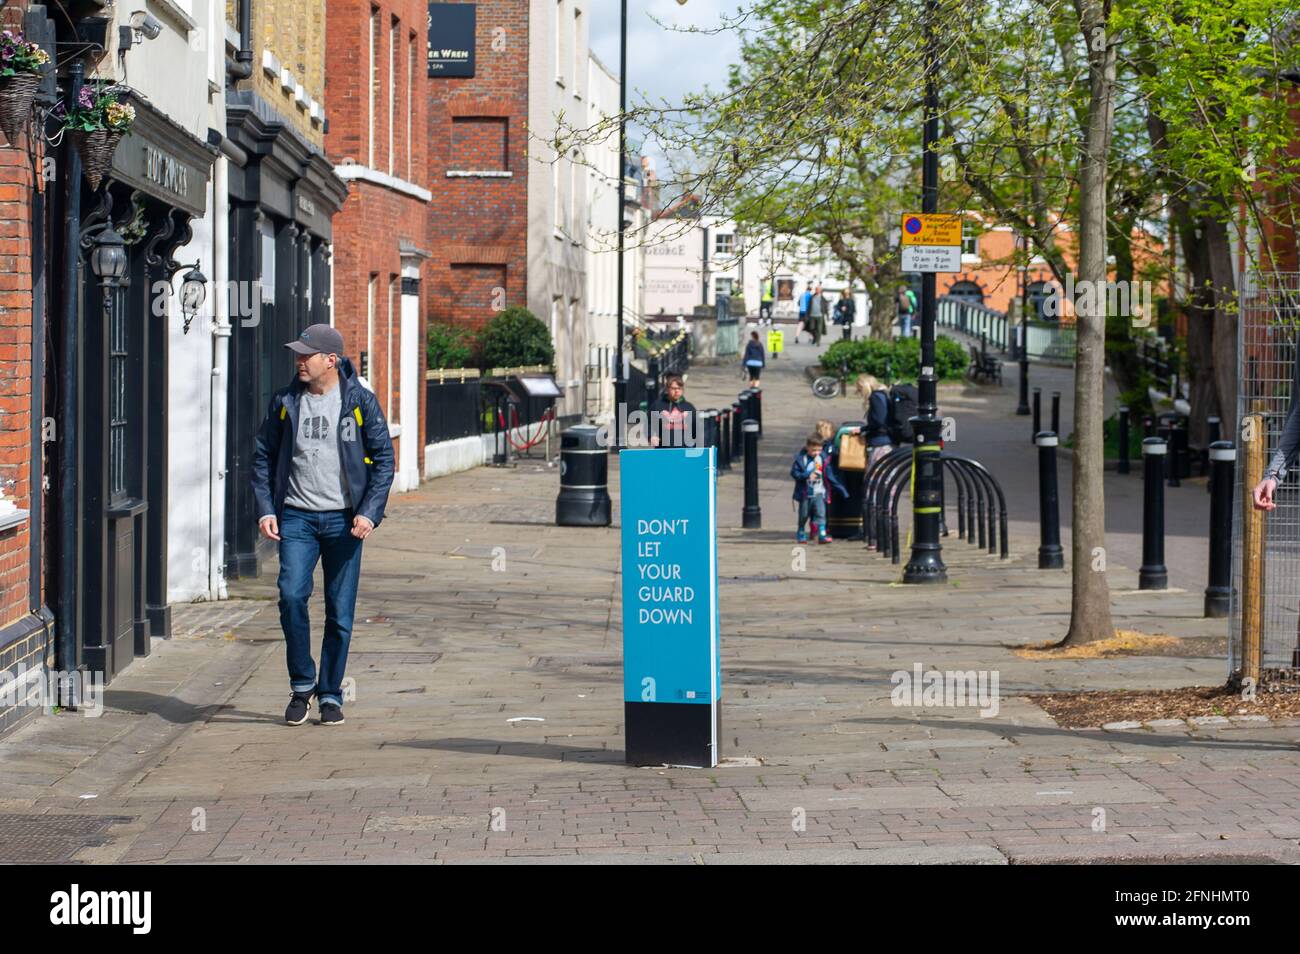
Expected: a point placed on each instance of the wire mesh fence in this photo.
(1269, 321)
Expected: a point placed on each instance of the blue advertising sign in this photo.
(451, 39)
(672, 674)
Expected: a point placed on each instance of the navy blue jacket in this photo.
(365, 449)
(754, 351)
(800, 469)
(878, 419)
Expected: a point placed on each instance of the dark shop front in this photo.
(117, 327)
(283, 195)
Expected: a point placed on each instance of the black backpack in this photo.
(902, 408)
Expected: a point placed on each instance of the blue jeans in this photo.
(813, 508)
(305, 537)
(905, 324)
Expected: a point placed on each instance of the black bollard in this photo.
(1177, 452)
(1218, 595)
(1153, 574)
(1148, 427)
(1050, 555)
(751, 517)
(1056, 412)
(756, 404)
(1038, 415)
(651, 382)
(1212, 425)
(724, 440)
(1123, 466)
(737, 449)
(1023, 407)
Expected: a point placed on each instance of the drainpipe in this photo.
(69, 397)
(218, 398)
(241, 67)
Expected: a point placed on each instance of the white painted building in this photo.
(690, 261)
(558, 81)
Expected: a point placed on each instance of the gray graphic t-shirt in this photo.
(316, 478)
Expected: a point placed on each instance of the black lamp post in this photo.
(194, 291)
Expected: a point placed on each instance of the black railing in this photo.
(460, 405)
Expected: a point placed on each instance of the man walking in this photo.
(817, 308)
(765, 305)
(322, 467)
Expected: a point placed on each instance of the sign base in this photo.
(671, 733)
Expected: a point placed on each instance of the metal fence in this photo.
(453, 407)
(1266, 381)
(1161, 361)
(461, 403)
(1050, 341)
(974, 320)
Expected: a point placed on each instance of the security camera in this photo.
(147, 24)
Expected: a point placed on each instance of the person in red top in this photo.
(673, 419)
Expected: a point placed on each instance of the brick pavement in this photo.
(823, 767)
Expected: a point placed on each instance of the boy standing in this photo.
(814, 478)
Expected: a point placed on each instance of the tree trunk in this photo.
(1090, 617)
(1218, 250)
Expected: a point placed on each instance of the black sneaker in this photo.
(296, 713)
(330, 714)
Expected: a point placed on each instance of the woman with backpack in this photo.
(875, 407)
(754, 358)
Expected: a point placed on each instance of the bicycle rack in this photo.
(981, 505)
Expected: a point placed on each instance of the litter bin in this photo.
(844, 517)
(584, 480)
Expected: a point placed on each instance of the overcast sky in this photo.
(663, 63)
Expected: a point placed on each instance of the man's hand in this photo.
(1262, 495)
(361, 527)
(270, 528)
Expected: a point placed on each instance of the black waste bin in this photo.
(844, 516)
(584, 479)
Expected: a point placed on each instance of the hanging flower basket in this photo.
(96, 148)
(16, 95)
(21, 66)
(95, 123)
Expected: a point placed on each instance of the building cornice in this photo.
(356, 172)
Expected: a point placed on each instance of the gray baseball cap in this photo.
(316, 339)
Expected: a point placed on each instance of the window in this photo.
(559, 42)
(372, 292)
(555, 194)
(374, 84)
(722, 286)
(724, 243)
(388, 369)
(577, 59)
(575, 187)
(970, 238)
(410, 81)
(394, 39)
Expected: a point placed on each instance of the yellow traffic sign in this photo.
(936, 228)
(775, 341)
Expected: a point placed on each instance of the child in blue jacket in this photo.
(814, 479)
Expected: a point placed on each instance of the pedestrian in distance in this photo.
(673, 419)
(765, 305)
(814, 479)
(754, 359)
(804, 300)
(906, 308)
(818, 309)
(846, 310)
(322, 468)
(875, 408)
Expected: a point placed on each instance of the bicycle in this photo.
(829, 386)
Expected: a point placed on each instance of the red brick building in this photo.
(25, 625)
(478, 174)
(378, 139)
